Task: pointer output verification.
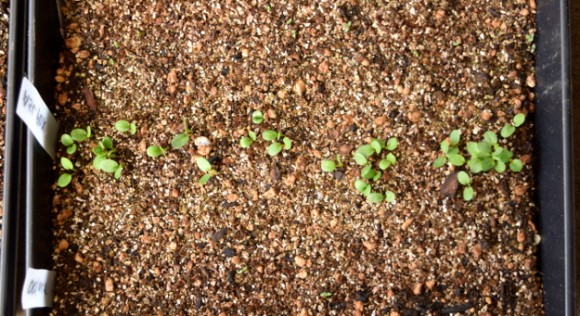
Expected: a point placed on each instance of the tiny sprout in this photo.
(242, 270)
(156, 151)
(247, 141)
(276, 147)
(268, 8)
(182, 139)
(363, 187)
(205, 166)
(346, 26)
(71, 149)
(124, 126)
(516, 165)
(257, 117)
(64, 180)
(468, 194)
(325, 294)
(328, 165)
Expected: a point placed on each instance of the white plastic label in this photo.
(37, 289)
(36, 115)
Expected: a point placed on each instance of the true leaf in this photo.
(389, 196)
(444, 146)
(179, 140)
(472, 149)
(475, 165)
(246, 142)
(270, 135)
(468, 193)
(487, 164)
(484, 148)
(64, 180)
(122, 126)
(463, 178)
(275, 148)
(455, 136)
(490, 137)
(375, 197)
(507, 131)
(392, 143)
(66, 163)
(203, 164)
(456, 160)
(500, 166)
(204, 179)
(519, 119)
(328, 165)
(516, 165)
(66, 140)
(78, 134)
(109, 165)
(439, 162)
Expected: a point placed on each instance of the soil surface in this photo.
(4, 22)
(276, 235)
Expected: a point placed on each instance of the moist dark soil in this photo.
(276, 235)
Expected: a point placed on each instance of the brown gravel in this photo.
(269, 235)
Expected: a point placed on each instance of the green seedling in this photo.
(242, 270)
(65, 178)
(155, 151)
(77, 135)
(257, 117)
(330, 165)
(346, 26)
(181, 139)
(268, 8)
(105, 154)
(464, 179)
(325, 294)
(124, 126)
(275, 137)
(247, 141)
(364, 157)
(450, 150)
(207, 168)
(509, 129)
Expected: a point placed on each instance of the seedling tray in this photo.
(26, 224)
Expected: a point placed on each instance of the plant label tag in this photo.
(37, 289)
(36, 115)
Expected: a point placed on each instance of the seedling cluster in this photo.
(369, 157)
(104, 152)
(71, 141)
(484, 156)
(277, 139)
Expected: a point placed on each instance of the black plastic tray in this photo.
(26, 230)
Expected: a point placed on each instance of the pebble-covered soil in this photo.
(276, 235)
(4, 22)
